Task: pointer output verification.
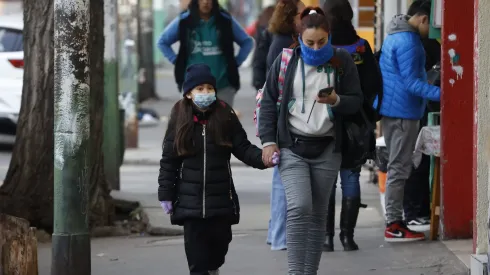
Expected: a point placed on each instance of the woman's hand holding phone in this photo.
(327, 96)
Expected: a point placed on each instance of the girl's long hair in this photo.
(182, 122)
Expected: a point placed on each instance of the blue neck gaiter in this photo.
(318, 57)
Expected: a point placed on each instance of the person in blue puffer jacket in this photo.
(405, 95)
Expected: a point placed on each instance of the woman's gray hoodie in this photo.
(274, 125)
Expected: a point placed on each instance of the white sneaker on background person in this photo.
(419, 224)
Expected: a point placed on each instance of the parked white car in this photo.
(11, 74)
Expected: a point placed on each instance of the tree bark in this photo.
(27, 191)
(18, 247)
(100, 201)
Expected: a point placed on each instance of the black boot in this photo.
(328, 245)
(348, 220)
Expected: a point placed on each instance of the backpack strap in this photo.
(285, 58)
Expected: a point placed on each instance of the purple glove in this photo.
(167, 206)
(275, 158)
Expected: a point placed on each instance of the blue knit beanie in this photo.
(196, 75)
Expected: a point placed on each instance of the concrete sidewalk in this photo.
(249, 255)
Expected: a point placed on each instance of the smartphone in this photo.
(325, 92)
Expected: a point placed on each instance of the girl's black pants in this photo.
(206, 244)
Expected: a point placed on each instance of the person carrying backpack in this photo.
(319, 88)
(405, 95)
(344, 35)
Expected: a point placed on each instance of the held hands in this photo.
(275, 158)
(167, 206)
(270, 155)
(330, 99)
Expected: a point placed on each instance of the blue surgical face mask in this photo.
(318, 57)
(203, 101)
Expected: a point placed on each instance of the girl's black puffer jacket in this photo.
(201, 186)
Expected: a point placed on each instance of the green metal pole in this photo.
(159, 16)
(112, 132)
(71, 239)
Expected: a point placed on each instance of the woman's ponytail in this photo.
(313, 17)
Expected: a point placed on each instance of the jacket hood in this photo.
(399, 23)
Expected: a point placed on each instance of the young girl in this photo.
(195, 182)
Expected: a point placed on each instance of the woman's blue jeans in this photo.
(349, 182)
(276, 235)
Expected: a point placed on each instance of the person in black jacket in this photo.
(195, 181)
(344, 36)
(280, 34)
(262, 42)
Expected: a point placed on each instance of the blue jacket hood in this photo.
(399, 23)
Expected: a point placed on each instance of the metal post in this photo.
(71, 239)
(111, 96)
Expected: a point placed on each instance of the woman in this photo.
(263, 41)
(344, 35)
(207, 34)
(307, 133)
(282, 33)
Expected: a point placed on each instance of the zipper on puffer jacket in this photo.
(231, 189)
(204, 173)
(181, 171)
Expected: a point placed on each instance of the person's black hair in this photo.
(420, 7)
(182, 122)
(314, 20)
(195, 13)
(338, 10)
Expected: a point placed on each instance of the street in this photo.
(248, 253)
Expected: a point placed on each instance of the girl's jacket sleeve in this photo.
(243, 149)
(169, 168)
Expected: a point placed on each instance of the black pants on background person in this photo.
(206, 244)
(416, 202)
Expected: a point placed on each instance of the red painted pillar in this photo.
(458, 168)
(475, 123)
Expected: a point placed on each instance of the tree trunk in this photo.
(18, 247)
(27, 191)
(100, 202)
(146, 76)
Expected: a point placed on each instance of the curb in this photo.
(163, 231)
